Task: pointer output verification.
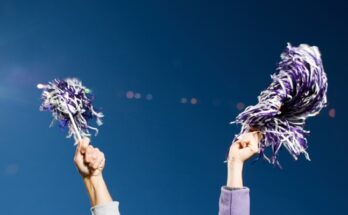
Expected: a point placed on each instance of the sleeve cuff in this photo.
(110, 208)
(234, 201)
(233, 188)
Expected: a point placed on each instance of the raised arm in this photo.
(234, 198)
(90, 163)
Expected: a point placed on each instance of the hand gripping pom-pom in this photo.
(298, 91)
(71, 105)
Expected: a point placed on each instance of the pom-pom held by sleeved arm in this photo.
(298, 91)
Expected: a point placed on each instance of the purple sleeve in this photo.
(234, 201)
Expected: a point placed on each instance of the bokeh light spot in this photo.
(240, 106)
(149, 97)
(194, 101)
(183, 100)
(332, 112)
(130, 94)
(137, 96)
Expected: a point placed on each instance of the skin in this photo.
(241, 150)
(90, 162)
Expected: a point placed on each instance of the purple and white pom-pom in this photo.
(298, 91)
(71, 105)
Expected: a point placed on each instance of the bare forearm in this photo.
(97, 190)
(235, 174)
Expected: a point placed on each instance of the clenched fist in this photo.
(241, 150)
(89, 161)
(246, 146)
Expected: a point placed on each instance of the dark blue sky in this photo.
(165, 157)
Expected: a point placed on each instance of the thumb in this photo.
(82, 145)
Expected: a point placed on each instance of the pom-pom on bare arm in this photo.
(71, 105)
(297, 92)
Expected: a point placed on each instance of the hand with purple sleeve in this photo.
(90, 162)
(234, 198)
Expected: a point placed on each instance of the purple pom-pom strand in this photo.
(298, 91)
(71, 105)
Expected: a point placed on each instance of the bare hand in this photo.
(89, 161)
(241, 150)
(245, 147)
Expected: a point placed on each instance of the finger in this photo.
(259, 135)
(97, 162)
(102, 163)
(241, 136)
(89, 149)
(79, 152)
(243, 144)
(234, 145)
(78, 158)
(90, 154)
(83, 144)
(253, 147)
(255, 139)
(95, 159)
(92, 164)
(247, 152)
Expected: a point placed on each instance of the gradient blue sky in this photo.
(165, 157)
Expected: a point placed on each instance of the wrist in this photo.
(235, 174)
(235, 163)
(93, 179)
